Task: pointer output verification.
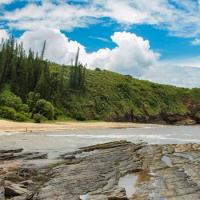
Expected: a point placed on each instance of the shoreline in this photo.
(26, 127)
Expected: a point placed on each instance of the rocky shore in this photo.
(112, 171)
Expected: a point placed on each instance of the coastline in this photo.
(26, 127)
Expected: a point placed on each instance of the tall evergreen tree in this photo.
(43, 50)
(77, 75)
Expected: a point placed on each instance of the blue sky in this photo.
(158, 40)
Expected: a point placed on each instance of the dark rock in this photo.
(105, 146)
(11, 151)
(27, 183)
(18, 154)
(2, 190)
(197, 116)
(7, 156)
(12, 189)
(69, 157)
(36, 155)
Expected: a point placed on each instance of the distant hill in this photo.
(32, 88)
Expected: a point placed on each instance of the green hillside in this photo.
(32, 88)
(112, 96)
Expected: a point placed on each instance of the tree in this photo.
(43, 50)
(43, 83)
(44, 108)
(77, 75)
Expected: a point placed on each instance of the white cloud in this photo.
(180, 18)
(49, 15)
(3, 34)
(5, 1)
(132, 54)
(58, 47)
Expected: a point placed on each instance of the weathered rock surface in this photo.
(163, 172)
(11, 154)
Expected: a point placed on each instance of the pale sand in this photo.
(10, 126)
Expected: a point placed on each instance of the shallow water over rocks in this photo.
(128, 182)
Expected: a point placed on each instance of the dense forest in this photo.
(32, 88)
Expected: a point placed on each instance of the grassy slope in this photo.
(110, 95)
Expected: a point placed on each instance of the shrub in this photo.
(38, 118)
(44, 108)
(97, 69)
(79, 116)
(32, 99)
(7, 112)
(10, 113)
(57, 113)
(9, 99)
(24, 108)
(20, 117)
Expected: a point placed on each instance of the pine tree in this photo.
(43, 82)
(77, 75)
(43, 50)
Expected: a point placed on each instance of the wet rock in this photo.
(98, 197)
(105, 145)
(97, 174)
(36, 155)
(69, 157)
(169, 172)
(12, 189)
(3, 151)
(2, 190)
(24, 197)
(7, 156)
(27, 183)
(19, 154)
(183, 147)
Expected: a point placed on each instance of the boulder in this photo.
(12, 189)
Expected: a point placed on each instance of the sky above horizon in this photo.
(157, 40)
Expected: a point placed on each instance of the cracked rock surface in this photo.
(162, 172)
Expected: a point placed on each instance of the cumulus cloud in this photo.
(131, 54)
(3, 34)
(58, 47)
(62, 15)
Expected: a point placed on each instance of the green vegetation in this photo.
(34, 89)
(77, 76)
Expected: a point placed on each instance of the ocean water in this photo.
(56, 143)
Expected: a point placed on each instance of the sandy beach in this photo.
(10, 126)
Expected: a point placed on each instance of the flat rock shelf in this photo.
(96, 173)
